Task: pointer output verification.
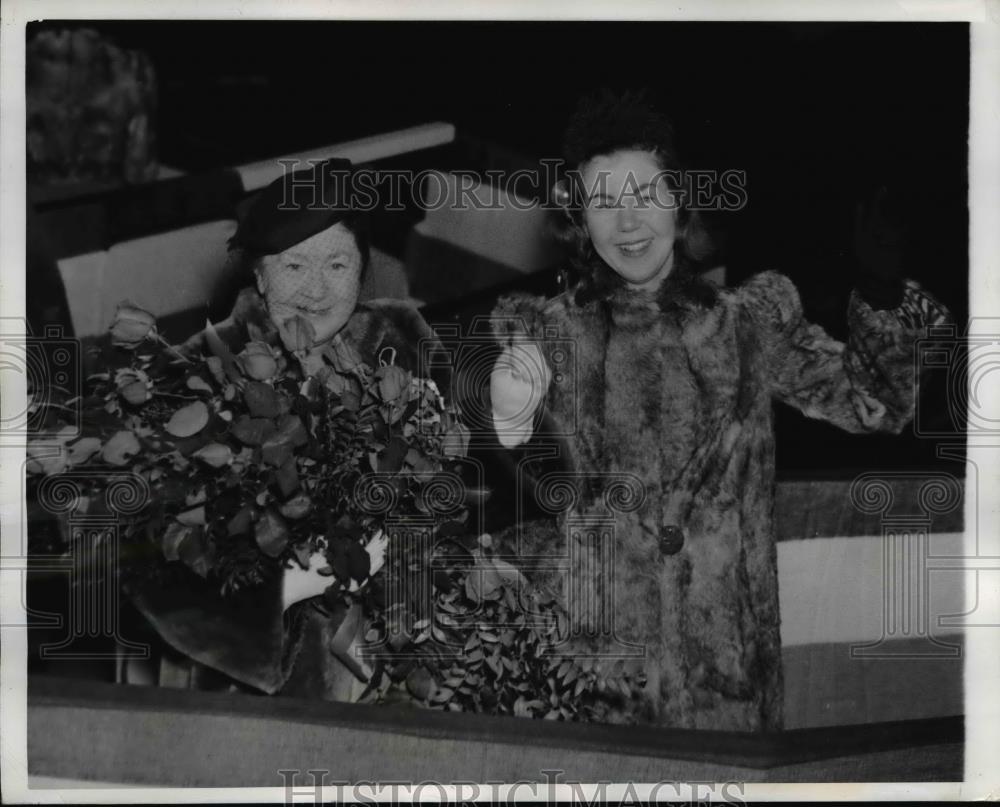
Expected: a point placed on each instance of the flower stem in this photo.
(175, 395)
(173, 350)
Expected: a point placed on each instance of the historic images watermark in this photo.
(47, 362)
(584, 561)
(550, 186)
(319, 786)
(969, 360)
(907, 561)
(92, 567)
(965, 430)
(532, 367)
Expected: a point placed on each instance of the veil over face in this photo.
(317, 280)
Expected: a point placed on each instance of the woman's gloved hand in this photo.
(518, 385)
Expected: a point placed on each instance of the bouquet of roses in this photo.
(249, 462)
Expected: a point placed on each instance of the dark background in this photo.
(817, 114)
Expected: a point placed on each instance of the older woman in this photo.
(305, 252)
(671, 391)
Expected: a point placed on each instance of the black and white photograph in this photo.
(499, 408)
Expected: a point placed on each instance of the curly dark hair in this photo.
(606, 122)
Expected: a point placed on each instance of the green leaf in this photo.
(287, 477)
(172, 538)
(420, 683)
(193, 552)
(198, 384)
(391, 459)
(241, 522)
(276, 450)
(303, 554)
(495, 665)
(291, 428)
(195, 517)
(252, 431)
(188, 420)
(262, 400)
(271, 533)
(216, 455)
(297, 507)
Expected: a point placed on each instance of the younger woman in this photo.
(671, 392)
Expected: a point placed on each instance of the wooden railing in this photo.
(183, 738)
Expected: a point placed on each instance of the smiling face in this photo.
(317, 279)
(630, 215)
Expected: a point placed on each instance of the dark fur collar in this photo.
(683, 291)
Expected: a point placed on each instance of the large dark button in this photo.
(671, 539)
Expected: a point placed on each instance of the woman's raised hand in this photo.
(518, 385)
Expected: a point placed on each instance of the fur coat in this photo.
(674, 397)
(248, 637)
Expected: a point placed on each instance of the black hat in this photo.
(295, 207)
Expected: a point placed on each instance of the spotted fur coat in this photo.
(670, 401)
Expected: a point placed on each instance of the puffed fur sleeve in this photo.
(867, 384)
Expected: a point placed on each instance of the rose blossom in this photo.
(131, 325)
(258, 362)
(393, 382)
(133, 386)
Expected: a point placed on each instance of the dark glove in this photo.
(878, 247)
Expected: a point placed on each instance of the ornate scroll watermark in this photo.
(93, 564)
